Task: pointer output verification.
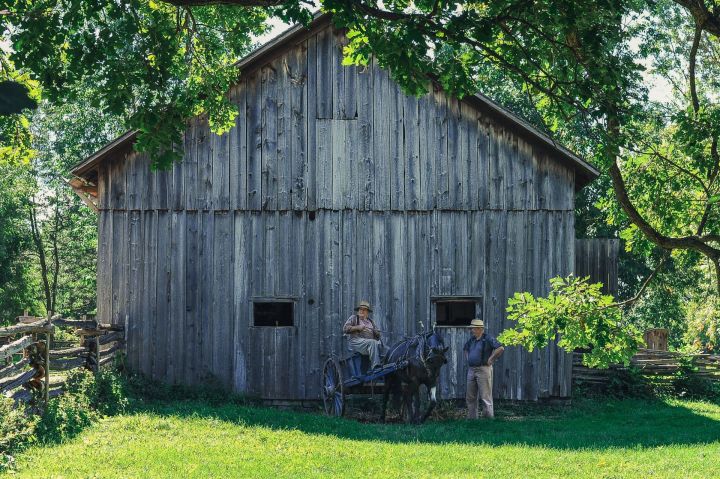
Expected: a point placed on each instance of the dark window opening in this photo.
(454, 313)
(273, 314)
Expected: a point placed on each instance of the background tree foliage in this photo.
(63, 228)
(16, 284)
(580, 70)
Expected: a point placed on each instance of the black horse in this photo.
(425, 354)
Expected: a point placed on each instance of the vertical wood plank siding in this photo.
(332, 187)
(598, 259)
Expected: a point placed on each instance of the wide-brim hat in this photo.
(476, 323)
(363, 304)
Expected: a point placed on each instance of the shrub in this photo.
(628, 383)
(17, 430)
(80, 382)
(111, 393)
(64, 417)
(87, 396)
(687, 383)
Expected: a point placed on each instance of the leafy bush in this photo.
(703, 325)
(110, 393)
(629, 383)
(87, 396)
(17, 430)
(64, 417)
(687, 384)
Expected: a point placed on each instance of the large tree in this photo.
(581, 65)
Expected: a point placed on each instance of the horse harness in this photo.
(419, 343)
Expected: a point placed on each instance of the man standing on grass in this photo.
(481, 351)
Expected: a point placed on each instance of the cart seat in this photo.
(357, 365)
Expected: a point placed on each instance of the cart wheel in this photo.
(332, 389)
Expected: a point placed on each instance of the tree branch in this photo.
(704, 18)
(691, 69)
(37, 239)
(666, 242)
(631, 301)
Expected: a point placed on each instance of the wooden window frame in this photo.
(260, 300)
(434, 300)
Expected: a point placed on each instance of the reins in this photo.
(421, 344)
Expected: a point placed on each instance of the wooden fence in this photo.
(658, 365)
(29, 368)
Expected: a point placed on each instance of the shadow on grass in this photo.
(591, 424)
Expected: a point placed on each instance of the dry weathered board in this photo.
(333, 186)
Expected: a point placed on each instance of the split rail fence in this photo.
(30, 369)
(651, 363)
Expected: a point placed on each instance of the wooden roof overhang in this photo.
(86, 170)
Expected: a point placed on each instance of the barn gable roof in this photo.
(584, 172)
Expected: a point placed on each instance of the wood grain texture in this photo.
(203, 140)
(189, 165)
(254, 141)
(192, 324)
(135, 292)
(177, 198)
(239, 148)
(269, 135)
(176, 318)
(163, 290)
(220, 153)
(332, 187)
(221, 316)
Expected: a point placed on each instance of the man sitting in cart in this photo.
(363, 336)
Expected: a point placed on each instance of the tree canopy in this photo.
(583, 71)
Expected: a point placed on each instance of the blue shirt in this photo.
(479, 350)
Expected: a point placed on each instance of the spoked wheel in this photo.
(332, 389)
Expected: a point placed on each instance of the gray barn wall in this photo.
(333, 187)
(598, 259)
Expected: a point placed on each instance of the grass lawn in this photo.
(674, 439)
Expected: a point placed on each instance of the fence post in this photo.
(97, 354)
(47, 365)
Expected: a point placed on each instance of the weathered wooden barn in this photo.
(244, 260)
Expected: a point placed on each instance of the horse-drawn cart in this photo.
(416, 360)
(351, 376)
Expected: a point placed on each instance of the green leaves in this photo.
(578, 315)
(145, 61)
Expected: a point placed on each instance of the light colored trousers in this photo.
(368, 347)
(479, 383)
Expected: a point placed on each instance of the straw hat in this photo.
(476, 323)
(364, 304)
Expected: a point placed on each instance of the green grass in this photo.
(609, 439)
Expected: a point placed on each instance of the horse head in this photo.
(436, 348)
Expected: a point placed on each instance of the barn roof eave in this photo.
(87, 165)
(257, 55)
(585, 173)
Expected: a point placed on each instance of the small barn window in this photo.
(456, 311)
(273, 313)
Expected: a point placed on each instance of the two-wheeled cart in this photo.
(350, 375)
